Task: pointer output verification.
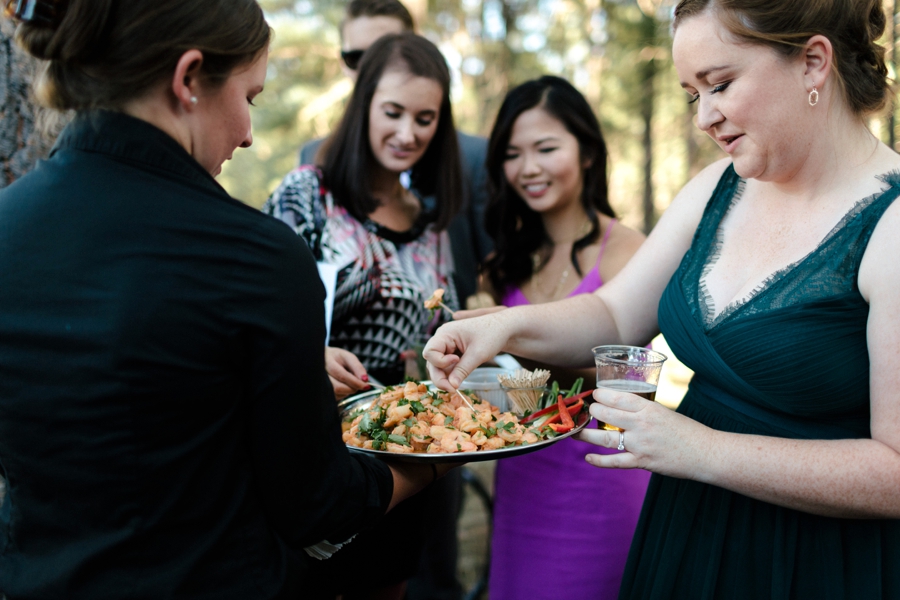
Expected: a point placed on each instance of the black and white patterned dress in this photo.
(384, 276)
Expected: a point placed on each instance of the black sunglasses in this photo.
(352, 58)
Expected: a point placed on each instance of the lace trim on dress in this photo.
(891, 178)
(704, 295)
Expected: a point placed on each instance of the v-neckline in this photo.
(705, 299)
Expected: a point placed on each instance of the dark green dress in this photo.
(791, 361)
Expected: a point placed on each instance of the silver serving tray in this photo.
(367, 399)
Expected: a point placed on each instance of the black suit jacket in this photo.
(167, 429)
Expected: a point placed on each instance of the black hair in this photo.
(518, 232)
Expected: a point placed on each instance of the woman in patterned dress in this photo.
(362, 212)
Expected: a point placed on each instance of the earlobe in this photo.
(185, 80)
(586, 162)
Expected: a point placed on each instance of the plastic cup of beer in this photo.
(628, 369)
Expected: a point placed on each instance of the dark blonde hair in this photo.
(852, 26)
(104, 53)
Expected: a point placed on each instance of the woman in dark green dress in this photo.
(774, 276)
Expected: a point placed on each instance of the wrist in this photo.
(711, 456)
(502, 328)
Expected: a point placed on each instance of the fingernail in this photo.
(364, 377)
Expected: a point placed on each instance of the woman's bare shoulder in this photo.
(622, 244)
(624, 240)
(697, 192)
(879, 269)
(673, 232)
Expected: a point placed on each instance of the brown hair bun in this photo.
(104, 53)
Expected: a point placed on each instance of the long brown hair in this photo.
(348, 162)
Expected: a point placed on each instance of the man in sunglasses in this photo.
(365, 22)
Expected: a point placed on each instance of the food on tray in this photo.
(559, 416)
(410, 418)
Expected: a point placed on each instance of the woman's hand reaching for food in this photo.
(460, 347)
(346, 373)
(654, 437)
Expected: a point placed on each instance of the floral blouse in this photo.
(384, 276)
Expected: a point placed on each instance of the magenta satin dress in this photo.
(562, 528)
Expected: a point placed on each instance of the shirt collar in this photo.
(135, 140)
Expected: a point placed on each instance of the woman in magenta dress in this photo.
(561, 527)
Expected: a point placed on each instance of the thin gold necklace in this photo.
(536, 279)
(536, 267)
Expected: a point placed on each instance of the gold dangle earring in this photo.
(814, 97)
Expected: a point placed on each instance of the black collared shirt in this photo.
(167, 429)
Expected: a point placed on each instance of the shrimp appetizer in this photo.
(410, 418)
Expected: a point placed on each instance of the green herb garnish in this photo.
(398, 439)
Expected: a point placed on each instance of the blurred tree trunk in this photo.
(22, 142)
(647, 107)
(508, 59)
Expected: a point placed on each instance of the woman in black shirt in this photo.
(167, 428)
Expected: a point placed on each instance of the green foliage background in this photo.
(615, 51)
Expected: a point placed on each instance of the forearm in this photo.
(559, 333)
(837, 478)
(409, 479)
(563, 333)
(848, 478)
